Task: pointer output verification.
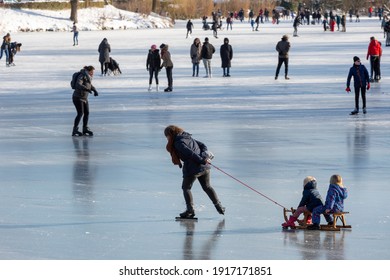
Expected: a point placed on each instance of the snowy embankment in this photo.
(107, 18)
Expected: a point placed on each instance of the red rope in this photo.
(246, 185)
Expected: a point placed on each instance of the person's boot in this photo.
(220, 209)
(188, 214)
(313, 227)
(309, 220)
(355, 112)
(290, 222)
(86, 131)
(76, 132)
(150, 88)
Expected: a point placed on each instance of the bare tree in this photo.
(73, 10)
(154, 5)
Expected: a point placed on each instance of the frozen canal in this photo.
(115, 196)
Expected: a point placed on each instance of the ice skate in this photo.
(87, 132)
(354, 112)
(188, 214)
(76, 132)
(220, 209)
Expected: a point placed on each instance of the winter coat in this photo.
(283, 47)
(226, 52)
(311, 197)
(195, 53)
(83, 86)
(374, 48)
(189, 151)
(153, 60)
(104, 51)
(360, 76)
(207, 50)
(335, 198)
(166, 57)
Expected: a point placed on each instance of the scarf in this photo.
(171, 149)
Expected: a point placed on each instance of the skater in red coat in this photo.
(332, 24)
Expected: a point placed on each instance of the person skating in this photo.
(153, 63)
(104, 55)
(296, 23)
(83, 87)
(75, 34)
(361, 83)
(283, 48)
(374, 52)
(207, 54)
(168, 64)
(195, 54)
(189, 27)
(195, 166)
(226, 52)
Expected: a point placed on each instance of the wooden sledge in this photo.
(302, 223)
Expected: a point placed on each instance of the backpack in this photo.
(73, 82)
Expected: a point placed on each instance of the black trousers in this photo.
(169, 76)
(204, 180)
(281, 61)
(153, 72)
(375, 67)
(82, 108)
(105, 64)
(357, 93)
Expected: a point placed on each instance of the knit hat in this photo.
(355, 58)
(153, 47)
(308, 179)
(162, 46)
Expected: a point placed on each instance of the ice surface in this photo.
(115, 196)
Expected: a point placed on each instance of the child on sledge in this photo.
(311, 199)
(334, 202)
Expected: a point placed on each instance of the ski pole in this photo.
(246, 185)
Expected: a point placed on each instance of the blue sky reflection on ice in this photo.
(114, 196)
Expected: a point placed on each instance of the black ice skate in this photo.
(220, 209)
(76, 132)
(187, 215)
(87, 132)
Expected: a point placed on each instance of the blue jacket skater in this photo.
(189, 150)
(360, 76)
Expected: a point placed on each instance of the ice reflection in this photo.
(189, 252)
(317, 245)
(83, 173)
(358, 146)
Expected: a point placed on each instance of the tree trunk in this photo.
(73, 10)
(154, 6)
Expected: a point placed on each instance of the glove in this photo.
(348, 89)
(208, 155)
(147, 68)
(95, 93)
(368, 86)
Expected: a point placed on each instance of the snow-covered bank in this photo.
(107, 18)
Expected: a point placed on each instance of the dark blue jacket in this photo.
(189, 150)
(311, 197)
(335, 198)
(360, 76)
